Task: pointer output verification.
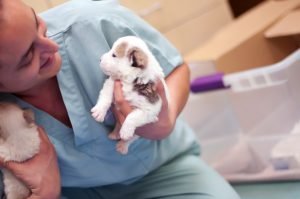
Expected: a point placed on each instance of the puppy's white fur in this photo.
(131, 62)
(19, 141)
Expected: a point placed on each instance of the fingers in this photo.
(120, 103)
(161, 91)
(43, 135)
(163, 94)
(119, 116)
(39, 173)
(123, 107)
(11, 165)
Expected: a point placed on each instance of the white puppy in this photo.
(19, 141)
(131, 62)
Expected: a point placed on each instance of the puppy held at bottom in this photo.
(131, 62)
(19, 141)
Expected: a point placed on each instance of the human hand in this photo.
(40, 173)
(156, 130)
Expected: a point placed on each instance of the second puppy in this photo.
(19, 141)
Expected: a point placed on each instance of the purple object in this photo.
(208, 83)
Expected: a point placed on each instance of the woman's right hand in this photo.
(40, 173)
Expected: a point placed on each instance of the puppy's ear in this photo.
(120, 49)
(137, 58)
(28, 116)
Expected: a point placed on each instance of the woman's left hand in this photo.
(40, 174)
(157, 130)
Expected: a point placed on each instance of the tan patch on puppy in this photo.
(120, 49)
(139, 58)
(148, 90)
(29, 116)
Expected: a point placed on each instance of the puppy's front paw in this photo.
(98, 113)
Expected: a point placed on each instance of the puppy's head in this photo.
(128, 56)
(13, 118)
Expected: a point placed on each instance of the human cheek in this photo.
(32, 72)
(35, 64)
(21, 81)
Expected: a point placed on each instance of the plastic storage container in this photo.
(249, 131)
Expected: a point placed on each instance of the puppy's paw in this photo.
(114, 135)
(98, 113)
(126, 134)
(122, 147)
(4, 153)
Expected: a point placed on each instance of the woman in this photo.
(55, 72)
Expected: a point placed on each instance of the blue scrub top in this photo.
(84, 31)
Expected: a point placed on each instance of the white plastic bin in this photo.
(240, 127)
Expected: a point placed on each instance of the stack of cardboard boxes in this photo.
(186, 24)
(42, 5)
(262, 36)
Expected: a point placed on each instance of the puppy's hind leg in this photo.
(135, 119)
(123, 145)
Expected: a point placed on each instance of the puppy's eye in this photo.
(113, 55)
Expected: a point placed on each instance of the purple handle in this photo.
(208, 83)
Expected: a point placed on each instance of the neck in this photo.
(41, 94)
(47, 97)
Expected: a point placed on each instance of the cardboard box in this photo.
(187, 25)
(38, 6)
(264, 35)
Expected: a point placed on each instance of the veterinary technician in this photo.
(56, 73)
